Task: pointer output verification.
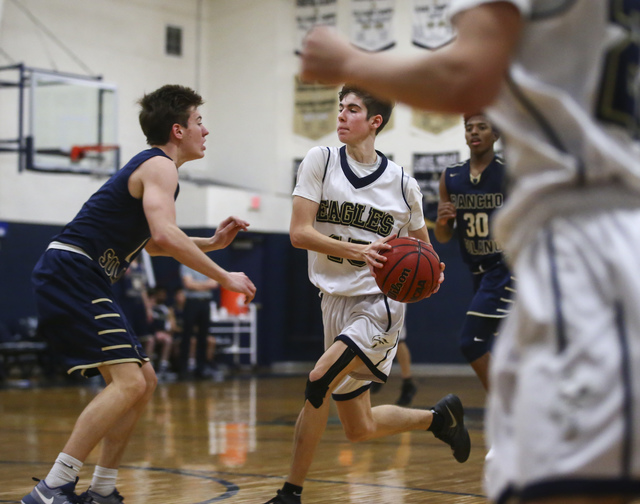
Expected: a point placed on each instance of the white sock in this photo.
(64, 470)
(104, 481)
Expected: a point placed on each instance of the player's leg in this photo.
(103, 413)
(328, 372)
(330, 369)
(129, 385)
(403, 357)
(481, 368)
(488, 308)
(116, 439)
(361, 422)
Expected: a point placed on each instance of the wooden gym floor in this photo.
(230, 442)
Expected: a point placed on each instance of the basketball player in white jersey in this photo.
(348, 202)
(560, 80)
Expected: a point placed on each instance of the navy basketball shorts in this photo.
(78, 315)
(564, 405)
(370, 325)
(490, 305)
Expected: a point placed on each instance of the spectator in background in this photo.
(161, 329)
(198, 291)
(135, 301)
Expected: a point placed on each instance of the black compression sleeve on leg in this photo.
(317, 390)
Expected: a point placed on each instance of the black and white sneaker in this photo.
(454, 433)
(283, 498)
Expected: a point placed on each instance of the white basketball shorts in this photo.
(370, 326)
(564, 408)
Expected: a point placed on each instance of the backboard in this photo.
(65, 123)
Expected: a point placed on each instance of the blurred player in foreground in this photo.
(560, 80)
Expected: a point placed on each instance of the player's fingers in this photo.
(241, 223)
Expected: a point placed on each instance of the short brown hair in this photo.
(161, 109)
(374, 105)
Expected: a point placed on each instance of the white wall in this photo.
(243, 65)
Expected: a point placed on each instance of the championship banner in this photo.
(310, 13)
(372, 24)
(433, 122)
(315, 110)
(431, 25)
(427, 169)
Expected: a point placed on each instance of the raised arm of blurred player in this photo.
(463, 76)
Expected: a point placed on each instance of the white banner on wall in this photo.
(310, 13)
(372, 24)
(427, 169)
(431, 25)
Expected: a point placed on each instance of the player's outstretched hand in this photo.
(239, 282)
(227, 231)
(372, 253)
(324, 56)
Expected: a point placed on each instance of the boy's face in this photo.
(194, 134)
(353, 125)
(479, 134)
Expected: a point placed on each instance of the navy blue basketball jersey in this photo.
(475, 200)
(111, 226)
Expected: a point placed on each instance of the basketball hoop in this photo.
(79, 152)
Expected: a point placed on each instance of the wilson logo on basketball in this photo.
(417, 293)
(396, 287)
(411, 271)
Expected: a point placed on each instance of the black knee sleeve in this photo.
(317, 390)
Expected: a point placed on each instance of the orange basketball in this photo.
(411, 271)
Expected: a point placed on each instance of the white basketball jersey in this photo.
(357, 209)
(569, 108)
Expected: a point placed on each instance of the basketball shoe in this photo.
(113, 498)
(42, 494)
(283, 498)
(454, 433)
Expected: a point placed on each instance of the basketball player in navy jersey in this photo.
(348, 203)
(78, 314)
(559, 78)
(469, 194)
